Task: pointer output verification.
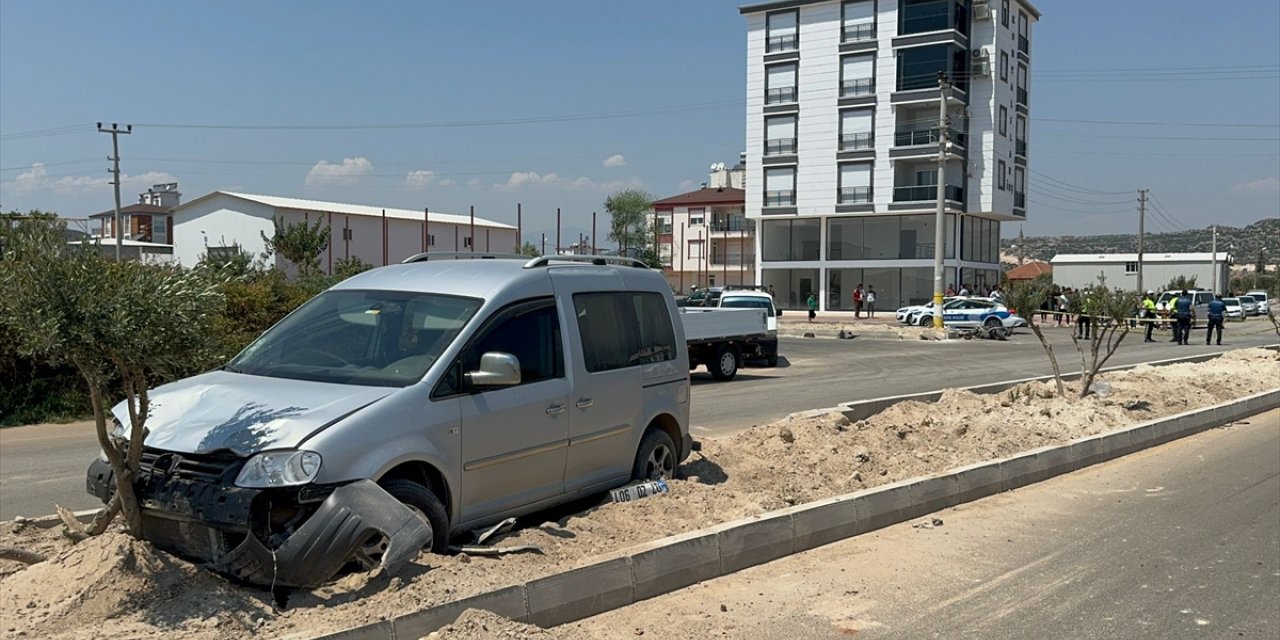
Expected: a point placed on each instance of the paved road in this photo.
(1181, 541)
(40, 467)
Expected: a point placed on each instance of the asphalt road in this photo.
(1180, 541)
(43, 466)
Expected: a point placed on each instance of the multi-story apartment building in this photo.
(704, 238)
(843, 110)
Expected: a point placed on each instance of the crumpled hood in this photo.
(244, 413)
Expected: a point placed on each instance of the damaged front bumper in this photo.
(285, 537)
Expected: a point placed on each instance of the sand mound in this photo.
(477, 624)
(114, 576)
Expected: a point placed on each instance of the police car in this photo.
(972, 313)
(920, 314)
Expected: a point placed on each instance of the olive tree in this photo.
(1109, 311)
(299, 243)
(1027, 297)
(120, 325)
(629, 224)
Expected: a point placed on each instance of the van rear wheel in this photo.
(656, 457)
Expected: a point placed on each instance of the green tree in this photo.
(344, 268)
(629, 224)
(1026, 298)
(528, 249)
(126, 323)
(1109, 311)
(299, 243)
(1181, 283)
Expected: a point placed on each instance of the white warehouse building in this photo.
(223, 222)
(1080, 270)
(842, 137)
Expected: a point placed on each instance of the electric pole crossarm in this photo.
(116, 132)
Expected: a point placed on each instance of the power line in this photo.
(1133, 123)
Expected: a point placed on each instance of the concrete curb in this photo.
(672, 563)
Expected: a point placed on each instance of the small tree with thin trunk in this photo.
(628, 222)
(1027, 297)
(118, 324)
(299, 243)
(528, 249)
(1109, 311)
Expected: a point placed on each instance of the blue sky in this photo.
(341, 63)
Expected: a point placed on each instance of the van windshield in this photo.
(379, 338)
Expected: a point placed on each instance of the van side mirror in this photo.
(779, 313)
(497, 369)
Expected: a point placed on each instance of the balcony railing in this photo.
(1022, 96)
(780, 95)
(733, 225)
(855, 141)
(1021, 147)
(859, 87)
(926, 136)
(1024, 46)
(780, 198)
(858, 32)
(733, 259)
(1020, 200)
(779, 146)
(787, 42)
(924, 192)
(854, 195)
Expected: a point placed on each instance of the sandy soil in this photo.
(872, 330)
(765, 468)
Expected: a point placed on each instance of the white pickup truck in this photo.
(722, 338)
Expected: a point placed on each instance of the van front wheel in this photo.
(422, 500)
(656, 457)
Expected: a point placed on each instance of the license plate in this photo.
(633, 492)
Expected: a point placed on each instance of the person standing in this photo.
(870, 299)
(1217, 313)
(964, 289)
(813, 306)
(951, 290)
(1149, 314)
(857, 301)
(1084, 324)
(1182, 325)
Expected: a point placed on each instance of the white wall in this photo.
(1155, 275)
(219, 221)
(819, 127)
(755, 112)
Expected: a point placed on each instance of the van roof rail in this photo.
(461, 255)
(544, 261)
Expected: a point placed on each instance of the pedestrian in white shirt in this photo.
(870, 299)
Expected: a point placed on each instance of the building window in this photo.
(1004, 13)
(347, 234)
(697, 217)
(919, 67)
(780, 83)
(855, 183)
(1004, 121)
(858, 22)
(1024, 44)
(783, 31)
(779, 135)
(1019, 188)
(1004, 66)
(466, 242)
(857, 75)
(695, 250)
(1130, 267)
(856, 129)
(780, 187)
(1022, 84)
(790, 240)
(1001, 167)
(1021, 139)
(222, 254)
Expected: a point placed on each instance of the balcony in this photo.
(735, 224)
(781, 95)
(859, 87)
(857, 32)
(929, 136)
(926, 192)
(780, 147)
(1022, 96)
(855, 141)
(734, 260)
(787, 42)
(1020, 199)
(1024, 47)
(923, 17)
(1020, 147)
(854, 195)
(780, 198)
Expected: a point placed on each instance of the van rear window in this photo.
(624, 329)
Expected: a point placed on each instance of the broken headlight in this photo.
(279, 469)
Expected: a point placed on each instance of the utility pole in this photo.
(940, 222)
(115, 132)
(1142, 229)
(1214, 260)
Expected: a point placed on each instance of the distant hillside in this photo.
(1244, 244)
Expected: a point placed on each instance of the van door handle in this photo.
(584, 403)
(555, 409)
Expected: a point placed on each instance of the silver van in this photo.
(468, 390)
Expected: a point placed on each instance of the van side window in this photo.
(623, 329)
(530, 331)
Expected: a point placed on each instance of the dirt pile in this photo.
(114, 577)
(765, 468)
(477, 624)
(44, 542)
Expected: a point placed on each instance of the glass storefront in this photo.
(886, 237)
(790, 240)
(791, 287)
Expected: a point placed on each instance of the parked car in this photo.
(701, 298)
(972, 313)
(1264, 300)
(1234, 310)
(1249, 304)
(409, 404)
